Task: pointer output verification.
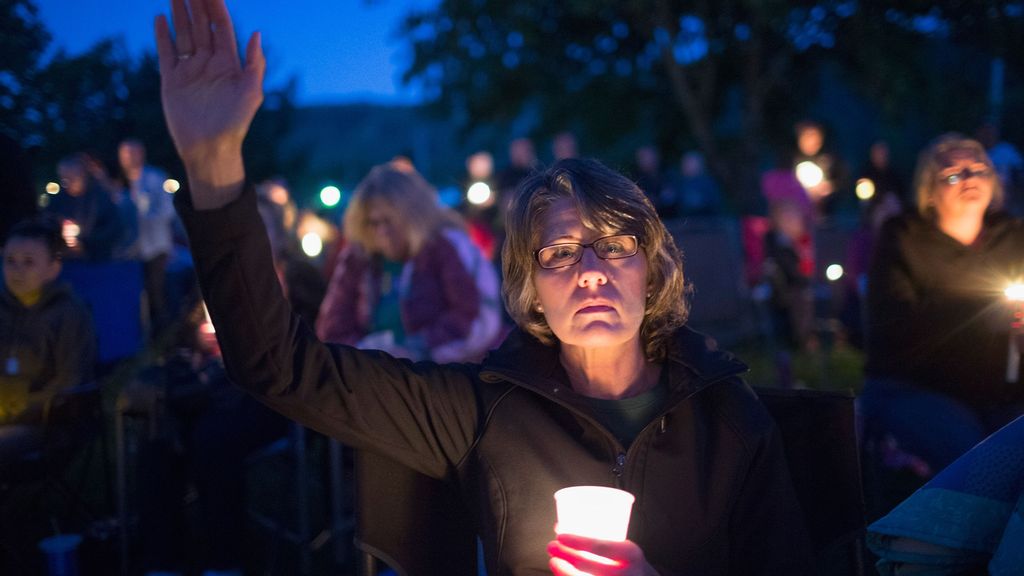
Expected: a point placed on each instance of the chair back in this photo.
(417, 525)
(824, 461)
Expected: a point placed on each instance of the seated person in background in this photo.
(92, 223)
(406, 282)
(938, 322)
(47, 340)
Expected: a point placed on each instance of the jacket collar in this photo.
(51, 292)
(693, 361)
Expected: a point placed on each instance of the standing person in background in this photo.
(480, 202)
(155, 242)
(652, 180)
(696, 191)
(522, 161)
(938, 322)
(602, 383)
(47, 340)
(1008, 164)
(820, 172)
(114, 187)
(563, 146)
(884, 178)
(91, 223)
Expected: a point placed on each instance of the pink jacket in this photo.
(440, 298)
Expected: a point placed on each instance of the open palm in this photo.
(209, 98)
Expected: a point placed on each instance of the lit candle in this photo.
(593, 511)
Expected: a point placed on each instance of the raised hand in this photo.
(209, 98)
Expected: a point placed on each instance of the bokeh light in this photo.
(478, 194)
(834, 272)
(809, 174)
(330, 196)
(312, 244)
(865, 189)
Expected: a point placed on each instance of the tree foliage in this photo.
(727, 76)
(22, 41)
(60, 103)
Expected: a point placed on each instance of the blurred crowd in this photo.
(404, 272)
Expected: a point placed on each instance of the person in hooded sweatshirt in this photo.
(47, 339)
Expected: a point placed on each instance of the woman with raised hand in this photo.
(600, 384)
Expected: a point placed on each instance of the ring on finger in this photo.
(186, 56)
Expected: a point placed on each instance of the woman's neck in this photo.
(965, 228)
(610, 373)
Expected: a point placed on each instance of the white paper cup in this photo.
(593, 511)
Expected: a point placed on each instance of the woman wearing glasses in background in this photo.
(601, 384)
(939, 322)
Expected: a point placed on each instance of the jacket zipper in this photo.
(621, 457)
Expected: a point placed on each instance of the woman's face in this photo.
(387, 231)
(970, 196)
(593, 303)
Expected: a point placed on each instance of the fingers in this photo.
(182, 28)
(164, 46)
(255, 61)
(560, 567)
(202, 34)
(588, 560)
(606, 548)
(224, 31)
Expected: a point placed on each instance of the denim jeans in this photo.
(933, 426)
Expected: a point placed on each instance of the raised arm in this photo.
(209, 97)
(424, 415)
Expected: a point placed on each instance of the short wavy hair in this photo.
(608, 202)
(933, 159)
(410, 197)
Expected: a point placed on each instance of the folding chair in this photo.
(824, 461)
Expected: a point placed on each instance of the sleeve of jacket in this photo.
(422, 415)
(767, 526)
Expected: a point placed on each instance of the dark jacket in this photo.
(98, 219)
(713, 491)
(937, 315)
(51, 346)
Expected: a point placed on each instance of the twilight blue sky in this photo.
(340, 50)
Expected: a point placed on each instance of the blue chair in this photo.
(113, 290)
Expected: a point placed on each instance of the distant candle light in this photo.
(865, 189)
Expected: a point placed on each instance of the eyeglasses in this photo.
(958, 177)
(606, 248)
